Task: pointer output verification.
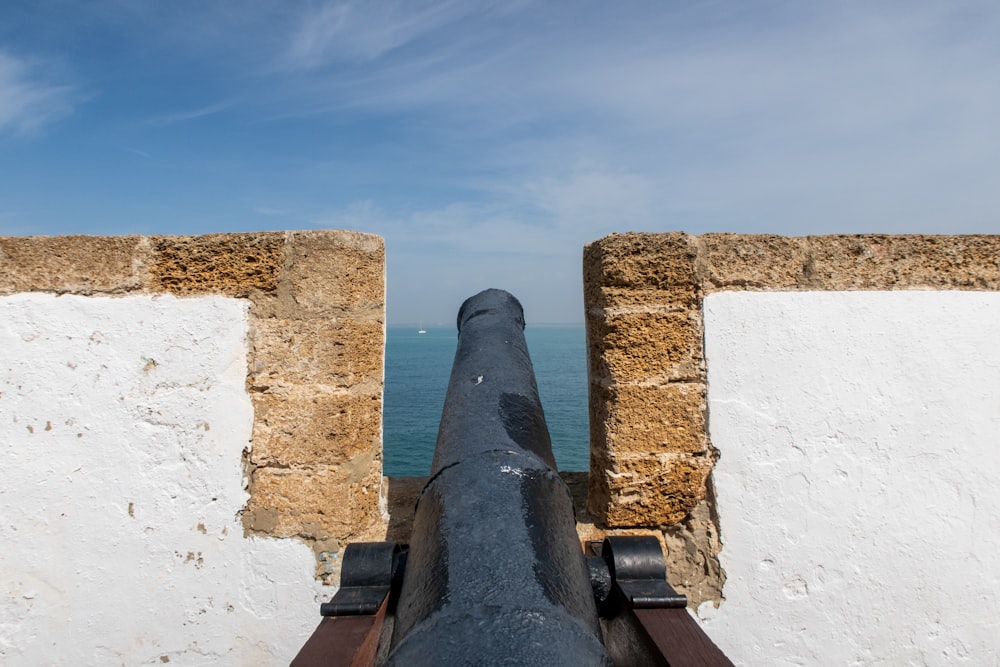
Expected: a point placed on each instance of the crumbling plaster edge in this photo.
(383, 500)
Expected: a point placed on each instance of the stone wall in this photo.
(651, 455)
(314, 305)
(316, 308)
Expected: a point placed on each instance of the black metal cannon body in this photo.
(495, 565)
(494, 573)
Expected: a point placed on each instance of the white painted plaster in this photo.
(122, 424)
(859, 484)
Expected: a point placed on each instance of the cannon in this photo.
(495, 573)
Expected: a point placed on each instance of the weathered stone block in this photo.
(315, 503)
(640, 261)
(650, 419)
(850, 262)
(76, 264)
(336, 351)
(959, 262)
(633, 347)
(752, 262)
(232, 264)
(902, 262)
(634, 269)
(334, 271)
(309, 427)
(646, 490)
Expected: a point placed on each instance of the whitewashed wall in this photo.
(122, 424)
(859, 484)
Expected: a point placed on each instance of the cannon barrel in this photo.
(495, 572)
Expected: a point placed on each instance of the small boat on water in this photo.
(421, 330)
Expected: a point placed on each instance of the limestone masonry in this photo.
(316, 314)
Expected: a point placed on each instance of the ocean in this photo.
(417, 368)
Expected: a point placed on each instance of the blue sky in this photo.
(489, 142)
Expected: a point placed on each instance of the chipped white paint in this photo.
(859, 484)
(122, 423)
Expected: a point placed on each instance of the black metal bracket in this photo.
(369, 572)
(634, 566)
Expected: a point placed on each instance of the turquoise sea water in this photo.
(417, 368)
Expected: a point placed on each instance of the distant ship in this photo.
(421, 330)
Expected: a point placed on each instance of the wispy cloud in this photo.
(193, 114)
(852, 71)
(29, 102)
(712, 113)
(364, 31)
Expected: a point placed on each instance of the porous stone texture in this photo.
(651, 455)
(672, 413)
(316, 325)
(233, 264)
(342, 351)
(315, 377)
(729, 261)
(313, 427)
(658, 344)
(644, 343)
(903, 262)
(72, 264)
(318, 502)
(617, 266)
(333, 274)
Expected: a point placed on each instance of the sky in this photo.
(488, 142)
